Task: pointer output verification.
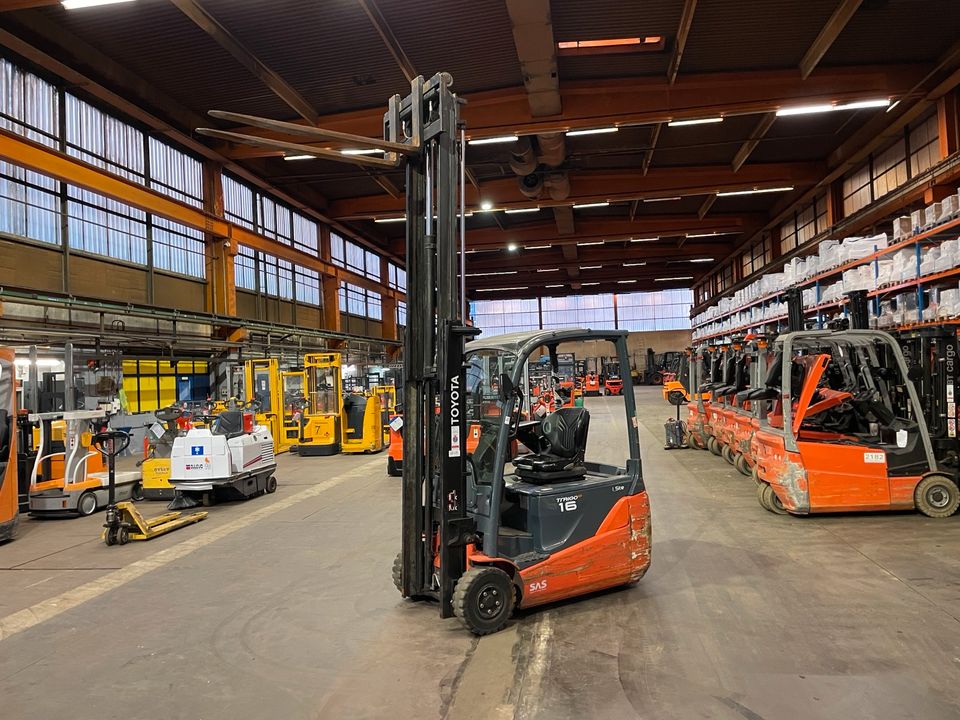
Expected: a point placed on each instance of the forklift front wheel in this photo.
(87, 504)
(398, 573)
(483, 599)
(123, 536)
(713, 445)
(136, 492)
(727, 453)
(392, 469)
(740, 462)
(937, 496)
(271, 484)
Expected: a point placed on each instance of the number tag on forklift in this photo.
(396, 423)
(874, 458)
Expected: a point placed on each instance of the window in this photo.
(275, 220)
(890, 169)
(174, 173)
(307, 286)
(105, 141)
(663, 310)
(401, 313)
(589, 311)
(337, 250)
(356, 258)
(788, 235)
(397, 277)
(101, 225)
(306, 234)
(238, 203)
(29, 105)
(496, 317)
(856, 190)
(374, 305)
(244, 268)
(276, 276)
(372, 269)
(924, 145)
(178, 248)
(356, 300)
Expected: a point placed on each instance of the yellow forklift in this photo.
(388, 405)
(319, 426)
(362, 420)
(266, 389)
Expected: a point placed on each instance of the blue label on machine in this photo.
(196, 449)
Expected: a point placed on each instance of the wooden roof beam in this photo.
(686, 21)
(828, 35)
(758, 133)
(389, 39)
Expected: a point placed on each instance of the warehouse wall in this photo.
(637, 344)
(35, 267)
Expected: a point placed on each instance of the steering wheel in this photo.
(101, 439)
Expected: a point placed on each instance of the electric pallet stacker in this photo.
(676, 391)
(264, 385)
(319, 432)
(848, 431)
(584, 526)
(9, 491)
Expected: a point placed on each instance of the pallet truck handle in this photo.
(100, 440)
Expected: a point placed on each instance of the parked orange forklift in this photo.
(612, 380)
(9, 500)
(837, 440)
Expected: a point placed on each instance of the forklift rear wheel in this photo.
(741, 464)
(398, 573)
(937, 496)
(111, 537)
(483, 599)
(713, 445)
(271, 484)
(727, 453)
(87, 504)
(136, 492)
(770, 500)
(688, 439)
(392, 469)
(123, 536)
(762, 497)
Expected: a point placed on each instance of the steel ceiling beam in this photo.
(828, 35)
(649, 100)
(612, 186)
(389, 39)
(686, 21)
(648, 155)
(756, 135)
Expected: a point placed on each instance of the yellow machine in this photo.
(265, 385)
(319, 427)
(388, 404)
(362, 422)
(155, 467)
(294, 403)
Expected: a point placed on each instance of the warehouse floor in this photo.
(283, 607)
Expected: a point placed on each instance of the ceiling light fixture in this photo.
(361, 151)
(493, 140)
(299, 157)
(804, 110)
(698, 121)
(590, 205)
(825, 108)
(517, 211)
(489, 274)
(670, 279)
(592, 131)
(712, 234)
(624, 282)
(592, 242)
(390, 220)
(548, 269)
(639, 264)
(861, 104)
(700, 260)
(590, 283)
(553, 286)
(539, 247)
(486, 206)
(590, 267)
(78, 4)
(635, 240)
(512, 247)
(646, 200)
(501, 289)
(755, 191)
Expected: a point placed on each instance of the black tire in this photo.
(755, 474)
(271, 485)
(111, 537)
(937, 496)
(87, 504)
(726, 452)
(606, 392)
(761, 496)
(771, 501)
(740, 463)
(206, 499)
(398, 573)
(136, 492)
(713, 445)
(688, 439)
(123, 536)
(392, 469)
(483, 599)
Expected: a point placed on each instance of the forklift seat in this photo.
(563, 439)
(229, 423)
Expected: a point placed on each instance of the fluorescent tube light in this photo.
(860, 104)
(639, 264)
(590, 267)
(493, 140)
(522, 287)
(552, 286)
(669, 279)
(361, 151)
(592, 131)
(390, 220)
(698, 121)
(548, 269)
(512, 247)
(517, 211)
(646, 200)
(486, 206)
(488, 274)
(755, 191)
(701, 260)
(590, 283)
(653, 239)
(590, 205)
(539, 247)
(625, 282)
(709, 234)
(592, 242)
(78, 4)
(804, 110)
(299, 157)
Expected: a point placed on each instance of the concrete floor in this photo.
(283, 607)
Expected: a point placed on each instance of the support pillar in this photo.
(221, 296)
(331, 302)
(948, 125)
(388, 304)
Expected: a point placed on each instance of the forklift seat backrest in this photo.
(565, 430)
(355, 407)
(229, 423)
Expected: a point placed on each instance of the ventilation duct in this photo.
(531, 185)
(523, 159)
(557, 185)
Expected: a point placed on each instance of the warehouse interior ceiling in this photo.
(608, 185)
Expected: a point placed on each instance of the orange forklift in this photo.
(9, 500)
(847, 431)
(481, 536)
